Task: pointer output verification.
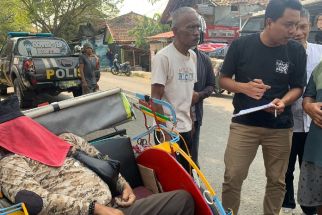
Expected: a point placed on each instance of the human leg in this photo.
(289, 201)
(177, 202)
(276, 146)
(241, 149)
(185, 145)
(310, 185)
(195, 143)
(305, 209)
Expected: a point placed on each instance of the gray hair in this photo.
(305, 13)
(176, 15)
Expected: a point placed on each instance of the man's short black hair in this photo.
(275, 8)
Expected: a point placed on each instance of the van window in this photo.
(254, 24)
(42, 47)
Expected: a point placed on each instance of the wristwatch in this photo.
(91, 208)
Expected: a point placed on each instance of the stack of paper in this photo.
(254, 109)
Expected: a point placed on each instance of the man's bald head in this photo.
(180, 14)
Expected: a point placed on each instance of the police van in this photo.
(37, 63)
(255, 23)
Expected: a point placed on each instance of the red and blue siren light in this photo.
(25, 34)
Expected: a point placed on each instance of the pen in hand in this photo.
(259, 81)
(275, 113)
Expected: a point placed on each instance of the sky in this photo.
(143, 7)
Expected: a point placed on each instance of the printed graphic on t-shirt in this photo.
(281, 67)
(185, 74)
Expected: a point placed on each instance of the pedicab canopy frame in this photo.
(85, 114)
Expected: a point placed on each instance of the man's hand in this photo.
(128, 197)
(85, 87)
(195, 98)
(314, 111)
(279, 106)
(104, 210)
(255, 89)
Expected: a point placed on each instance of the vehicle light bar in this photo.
(24, 34)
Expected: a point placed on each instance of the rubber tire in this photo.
(3, 92)
(114, 71)
(128, 72)
(23, 102)
(77, 92)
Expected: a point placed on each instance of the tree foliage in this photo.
(62, 17)
(148, 27)
(12, 18)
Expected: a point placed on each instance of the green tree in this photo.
(62, 17)
(12, 18)
(148, 27)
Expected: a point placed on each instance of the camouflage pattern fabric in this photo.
(68, 189)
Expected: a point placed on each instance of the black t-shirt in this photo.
(282, 67)
(318, 37)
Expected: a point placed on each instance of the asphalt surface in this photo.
(213, 139)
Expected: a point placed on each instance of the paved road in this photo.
(214, 133)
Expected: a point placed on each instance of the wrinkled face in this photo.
(284, 28)
(89, 50)
(187, 31)
(302, 30)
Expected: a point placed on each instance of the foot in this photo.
(286, 211)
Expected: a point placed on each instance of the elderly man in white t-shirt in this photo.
(301, 120)
(174, 71)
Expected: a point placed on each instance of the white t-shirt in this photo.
(177, 73)
(301, 120)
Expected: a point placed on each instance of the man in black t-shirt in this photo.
(268, 68)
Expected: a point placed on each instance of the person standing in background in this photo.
(310, 182)
(174, 72)
(88, 65)
(203, 88)
(301, 120)
(318, 35)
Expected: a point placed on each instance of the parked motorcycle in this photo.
(123, 68)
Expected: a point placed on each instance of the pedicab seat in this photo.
(120, 148)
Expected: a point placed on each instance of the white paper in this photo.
(254, 109)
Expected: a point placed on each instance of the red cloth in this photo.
(24, 136)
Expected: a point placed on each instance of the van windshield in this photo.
(42, 47)
(254, 24)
